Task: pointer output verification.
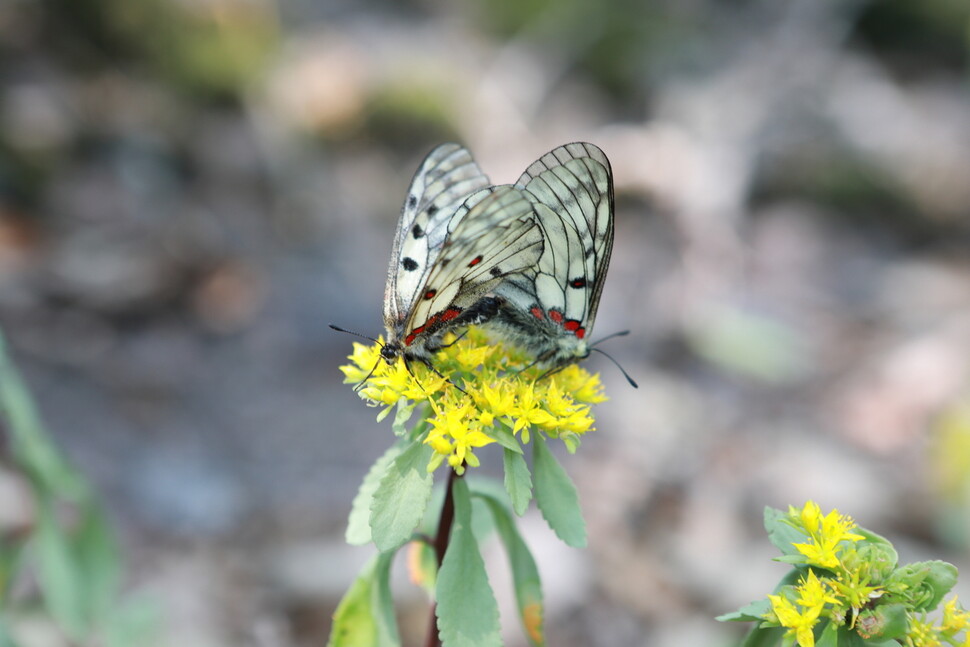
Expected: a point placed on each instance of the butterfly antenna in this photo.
(364, 381)
(356, 334)
(610, 357)
(622, 333)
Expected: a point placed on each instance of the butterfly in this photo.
(457, 239)
(549, 308)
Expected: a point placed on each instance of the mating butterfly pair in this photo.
(526, 260)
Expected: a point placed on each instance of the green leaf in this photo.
(504, 437)
(556, 496)
(365, 616)
(926, 583)
(877, 551)
(401, 497)
(467, 611)
(358, 524)
(829, 636)
(763, 637)
(404, 410)
(97, 561)
(518, 481)
(525, 573)
(32, 447)
(59, 575)
(781, 533)
(751, 612)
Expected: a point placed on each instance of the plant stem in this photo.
(440, 546)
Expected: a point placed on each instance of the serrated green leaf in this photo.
(358, 524)
(751, 612)
(518, 481)
(467, 612)
(401, 497)
(781, 533)
(59, 575)
(525, 573)
(365, 617)
(556, 496)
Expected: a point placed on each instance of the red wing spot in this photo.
(475, 261)
(578, 283)
(414, 333)
(555, 315)
(580, 333)
(450, 314)
(430, 294)
(571, 325)
(537, 313)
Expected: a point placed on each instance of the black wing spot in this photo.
(589, 251)
(579, 282)
(416, 231)
(412, 201)
(409, 263)
(495, 271)
(432, 209)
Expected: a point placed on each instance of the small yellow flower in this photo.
(476, 385)
(799, 623)
(826, 533)
(955, 618)
(813, 594)
(922, 633)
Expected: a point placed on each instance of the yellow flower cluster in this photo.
(805, 603)
(825, 533)
(923, 632)
(801, 614)
(481, 393)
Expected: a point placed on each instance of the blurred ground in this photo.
(190, 192)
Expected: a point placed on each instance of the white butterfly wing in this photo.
(446, 178)
(573, 190)
(493, 236)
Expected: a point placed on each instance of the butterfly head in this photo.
(391, 351)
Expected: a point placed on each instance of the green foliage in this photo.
(365, 616)
(76, 563)
(525, 573)
(518, 481)
(358, 525)
(556, 497)
(467, 611)
(401, 497)
(848, 589)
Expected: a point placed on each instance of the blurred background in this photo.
(191, 191)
